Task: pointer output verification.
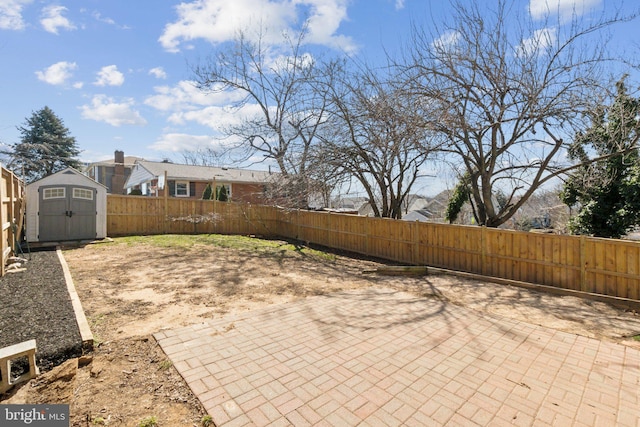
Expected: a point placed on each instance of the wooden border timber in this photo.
(83, 325)
(625, 303)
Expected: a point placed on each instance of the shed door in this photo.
(67, 212)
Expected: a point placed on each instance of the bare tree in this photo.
(205, 157)
(279, 87)
(506, 93)
(377, 137)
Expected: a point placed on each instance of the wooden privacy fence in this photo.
(602, 266)
(11, 215)
(140, 215)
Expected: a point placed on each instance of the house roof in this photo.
(128, 161)
(418, 215)
(414, 202)
(195, 173)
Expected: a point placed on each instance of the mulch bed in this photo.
(35, 303)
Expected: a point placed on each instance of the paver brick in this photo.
(296, 419)
(319, 361)
(309, 414)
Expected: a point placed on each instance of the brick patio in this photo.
(379, 357)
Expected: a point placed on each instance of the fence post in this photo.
(3, 242)
(483, 248)
(583, 264)
(297, 211)
(415, 252)
(166, 203)
(11, 212)
(367, 237)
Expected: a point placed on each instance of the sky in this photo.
(118, 73)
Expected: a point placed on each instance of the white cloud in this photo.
(109, 76)
(158, 73)
(177, 142)
(11, 14)
(446, 41)
(219, 21)
(565, 9)
(53, 20)
(399, 4)
(98, 17)
(109, 21)
(324, 21)
(216, 117)
(58, 73)
(105, 109)
(540, 40)
(283, 63)
(186, 96)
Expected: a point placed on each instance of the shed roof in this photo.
(66, 174)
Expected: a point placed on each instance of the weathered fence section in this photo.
(602, 266)
(139, 215)
(11, 214)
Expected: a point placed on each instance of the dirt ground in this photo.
(129, 291)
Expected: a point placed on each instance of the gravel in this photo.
(35, 303)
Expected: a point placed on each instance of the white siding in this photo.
(139, 175)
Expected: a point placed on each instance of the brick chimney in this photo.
(117, 182)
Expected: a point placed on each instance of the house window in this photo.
(182, 189)
(82, 193)
(53, 193)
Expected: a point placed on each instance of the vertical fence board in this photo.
(633, 265)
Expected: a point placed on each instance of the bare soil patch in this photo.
(132, 288)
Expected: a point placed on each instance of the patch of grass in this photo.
(274, 247)
(148, 422)
(165, 364)
(96, 321)
(636, 337)
(207, 421)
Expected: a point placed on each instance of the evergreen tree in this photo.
(222, 194)
(207, 194)
(607, 192)
(459, 197)
(45, 147)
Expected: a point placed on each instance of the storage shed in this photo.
(66, 206)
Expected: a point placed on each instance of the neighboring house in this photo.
(112, 174)
(543, 210)
(414, 202)
(422, 215)
(437, 206)
(433, 209)
(348, 203)
(188, 181)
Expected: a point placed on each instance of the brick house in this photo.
(112, 174)
(188, 181)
